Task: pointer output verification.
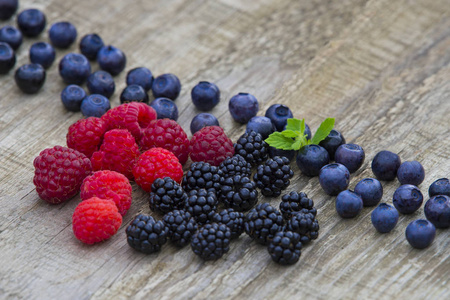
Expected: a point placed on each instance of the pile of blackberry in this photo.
(201, 175)
(296, 202)
(252, 147)
(273, 176)
(166, 195)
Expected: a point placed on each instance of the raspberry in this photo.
(108, 185)
(118, 152)
(59, 172)
(95, 220)
(210, 144)
(134, 116)
(156, 163)
(86, 135)
(167, 134)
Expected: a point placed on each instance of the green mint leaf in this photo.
(323, 131)
(302, 126)
(279, 141)
(297, 144)
(293, 124)
(290, 133)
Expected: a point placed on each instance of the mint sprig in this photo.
(294, 137)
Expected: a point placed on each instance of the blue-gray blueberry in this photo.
(334, 178)
(166, 86)
(437, 211)
(11, 35)
(31, 22)
(370, 190)
(348, 204)
(385, 165)
(202, 120)
(101, 82)
(411, 172)
(72, 96)
(140, 76)
(243, 107)
(74, 68)
(407, 198)
(420, 233)
(90, 44)
(111, 60)
(205, 95)
(165, 108)
(62, 34)
(30, 78)
(384, 218)
(42, 53)
(95, 106)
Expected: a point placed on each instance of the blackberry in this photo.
(233, 219)
(201, 204)
(294, 202)
(211, 241)
(252, 147)
(285, 248)
(235, 165)
(263, 222)
(166, 195)
(181, 227)
(238, 192)
(273, 176)
(201, 175)
(147, 235)
(305, 224)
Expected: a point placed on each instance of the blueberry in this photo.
(166, 86)
(350, 155)
(384, 218)
(262, 125)
(7, 58)
(420, 233)
(205, 95)
(90, 44)
(437, 211)
(74, 68)
(165, 108)
(72, 96)
(439, 187)
(407, 198)
(31, 22)
(95, 106)
(111, 59)
(243, 107)
(411, 172)
(279, 114)
(134, 93)
(311, 158)
(332, 142)
(289, 154)
(140, 76)
(370, 190)
(8, 8)
(308, 132)
(12, 36)
(101, 82)
(42, 53)
(30, 78)
(385, 165)
(202, 120)
(334, 178)
(348, 204)
(62, 34)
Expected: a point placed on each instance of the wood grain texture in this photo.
(380, 67)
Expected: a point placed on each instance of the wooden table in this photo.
(380, 67)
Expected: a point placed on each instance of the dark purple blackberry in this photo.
(166, 195)
(252, 147)
(273, 176)
(182, 227)
(235, 165)
(304, 224)
(211, 241)
(263, 222)
(201, 175)
(233, 219)
(147, 235)
(201, 204)
(295, 202)
(285, 248)
(238, 192)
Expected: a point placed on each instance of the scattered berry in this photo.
(108, 185)
(232, 219)
(59, 172)
(95, 220)
(201, 175)
(90, 44)
(111, 60)
(311, 158)
(8, 8)
(166, 86)
(243, 107)
(278, 114)
(263, 222)
(211, 241)
(30, 78)
(350, 155)
(166, 195)
(305, 224)
(205, 95)
(165, 108)
(235, 165)
(62, 34)
(385, 165)
(72, 96)
(94, 105)
(348, 204)
(42, 53)
(147, 235)
(370, 190)
(407, 198)
(74, 68)
(332, 142)
(285, 248)
(334, 178)
(7, 58)
(296, 202)
(11, 35)
(384, 218)
(202, 120)
(140, 76)
(420, 233)
(211, 144)
(411, 172)
(439, 187)
(133, 93)
(252, 147)
(86, 135)
(102, 83)
(437, 211)
(201, 204)
(181, 227)
(156, 163)
(261, 125)
(273, 176)
(238, 192)
(31, 22)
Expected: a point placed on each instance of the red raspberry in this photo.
(86, 135)
(95, 220)
(210, 144)
(167, 134)
(59, 172)
(134, 116)
(156, 163)
(118, 152)
(108, 185)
